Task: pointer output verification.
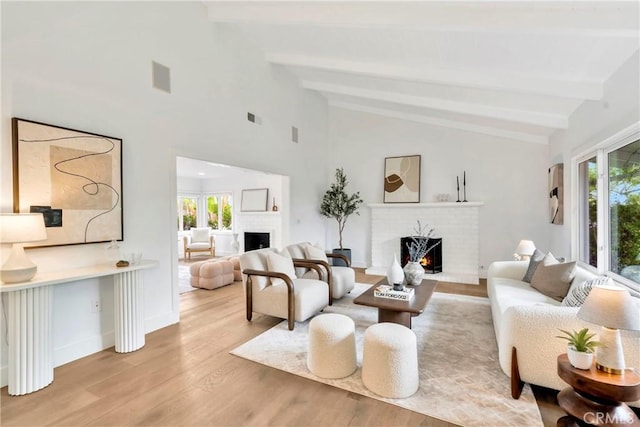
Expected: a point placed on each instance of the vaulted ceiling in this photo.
(514, 69)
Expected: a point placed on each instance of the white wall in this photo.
(509, 176)
(87, 66)
(592, 123)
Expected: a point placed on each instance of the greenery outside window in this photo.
(608, 197)
(187, 212)
(220, 211)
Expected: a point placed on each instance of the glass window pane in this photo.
(588, 187)
(188, 212)
(624, 211)
(227, 212)
(212, 212)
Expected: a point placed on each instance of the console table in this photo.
(30, 316)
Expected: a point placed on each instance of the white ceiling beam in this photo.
(555, 121)
(474, 79)
(454, 124)
(603, 18)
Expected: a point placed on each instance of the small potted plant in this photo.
(580, 347)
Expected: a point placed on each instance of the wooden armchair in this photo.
(199, 240)
(272, 288)
(342, 279)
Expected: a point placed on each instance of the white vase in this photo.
(414, 272)
(395, 275)
(579, 359)
(235, 245)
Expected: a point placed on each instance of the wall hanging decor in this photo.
(73, 177)
(556, 194)
(402, 179)
(254, 200)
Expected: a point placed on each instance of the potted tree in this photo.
(339, 205)
(580, 347)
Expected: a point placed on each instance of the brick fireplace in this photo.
(456, 223)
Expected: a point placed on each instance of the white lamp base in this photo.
(610, 357)
(18, 267)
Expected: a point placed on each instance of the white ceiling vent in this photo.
(161, 77)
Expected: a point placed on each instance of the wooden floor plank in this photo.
(185, 376)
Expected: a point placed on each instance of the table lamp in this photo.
(18, 229)
(611, 307)
(525, 249)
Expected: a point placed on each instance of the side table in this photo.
(597, 398)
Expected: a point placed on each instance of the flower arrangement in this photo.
(419, 245)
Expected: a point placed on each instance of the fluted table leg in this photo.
(129, 316)
(30, 339)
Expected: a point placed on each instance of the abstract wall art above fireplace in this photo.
(402, 179)
(73, 177)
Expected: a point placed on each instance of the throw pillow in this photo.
(200, 235)
(553, 279)
(280, 263)
(579, 292)
(315, 253)
(535, 259)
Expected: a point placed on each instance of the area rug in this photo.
(460, 377)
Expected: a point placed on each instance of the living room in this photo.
(88, 66)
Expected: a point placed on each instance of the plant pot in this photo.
(337, 261)
(414, 272)
(579, 359)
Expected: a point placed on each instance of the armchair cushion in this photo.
(200, 235)
(313, 252)
(280, 263)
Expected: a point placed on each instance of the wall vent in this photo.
(251, 117)
(160, 77)
(294, 134)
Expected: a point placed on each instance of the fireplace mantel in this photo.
(426, 205)
(457, 223)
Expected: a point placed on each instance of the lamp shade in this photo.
(611, 306)
(525, 248)
(22, 227)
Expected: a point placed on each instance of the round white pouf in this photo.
(390, 360)
(332, 346)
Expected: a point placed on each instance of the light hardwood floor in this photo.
(185, 376)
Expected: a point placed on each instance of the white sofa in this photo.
(526, 323)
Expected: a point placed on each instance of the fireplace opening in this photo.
(432, 261)
(253, 241)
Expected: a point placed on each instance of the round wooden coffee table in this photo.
(596, 397)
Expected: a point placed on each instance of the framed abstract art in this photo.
(402, 179)
(74, 178)
(556, 194)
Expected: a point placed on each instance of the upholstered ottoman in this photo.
(332, 346)
(211, 274)
(390, 360)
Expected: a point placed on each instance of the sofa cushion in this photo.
(280, 263)
(536, 259)
(578, 292)
(553, 278)
(514, 292)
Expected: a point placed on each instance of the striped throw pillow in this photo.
(578, 293)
